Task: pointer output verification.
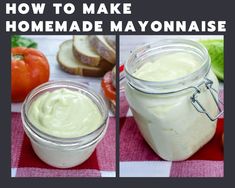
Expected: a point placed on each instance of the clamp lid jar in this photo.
(175, 113)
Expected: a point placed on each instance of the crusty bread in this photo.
(111, 40)
(70, 64)
(84, 52)
(101, 46)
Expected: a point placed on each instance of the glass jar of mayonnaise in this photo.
(64, 122)
(173, 95)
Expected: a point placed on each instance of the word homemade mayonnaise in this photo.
(65, 113)
(168, 121)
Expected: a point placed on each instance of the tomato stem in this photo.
(18, 57)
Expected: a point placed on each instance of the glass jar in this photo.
(175, 117)
(63, 152)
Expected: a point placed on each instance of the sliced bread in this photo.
(69, 63)
(83, 51)
(101, 46)
(111, 40)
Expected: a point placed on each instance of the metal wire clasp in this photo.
(199, 107)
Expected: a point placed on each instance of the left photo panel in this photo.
(63, 106)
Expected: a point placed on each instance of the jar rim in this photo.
(80, 140)
(169, 86)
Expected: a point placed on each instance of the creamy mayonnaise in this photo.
(65, 113)
(168, 67)
(169, 122)
(64, 125)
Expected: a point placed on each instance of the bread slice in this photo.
(69, 63)
(111, 40)
(101, 46)
(87, 55)
(83, 51)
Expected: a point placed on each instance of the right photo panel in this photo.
(171, 106)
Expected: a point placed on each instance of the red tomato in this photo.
(106, 84)
(29, 68)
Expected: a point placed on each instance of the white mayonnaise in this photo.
(168, 67)
(64, 125)
(65, 113)
(169, 122)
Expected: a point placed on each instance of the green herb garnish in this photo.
(17, 40)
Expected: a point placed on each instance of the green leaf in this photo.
(216, 51)
(17, 40)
